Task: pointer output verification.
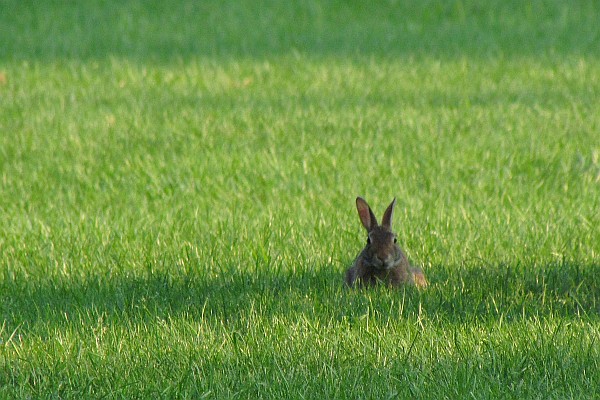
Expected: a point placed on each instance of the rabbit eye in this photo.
(395, 240)
(368, 240)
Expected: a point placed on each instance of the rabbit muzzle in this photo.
(384, 263)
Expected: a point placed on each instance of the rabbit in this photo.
(381, 261)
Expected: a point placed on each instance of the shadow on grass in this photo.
(516, 291)
(165, 31)
(456, 294)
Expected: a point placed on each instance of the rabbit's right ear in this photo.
(366, 215)
(386, 221)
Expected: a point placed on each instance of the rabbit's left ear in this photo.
(388, 215)
(366, 215)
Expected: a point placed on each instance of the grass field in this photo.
(177, 185)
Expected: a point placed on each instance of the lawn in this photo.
(177, 186)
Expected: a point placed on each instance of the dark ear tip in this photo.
(360, 201)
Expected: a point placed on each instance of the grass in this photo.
(177, 199)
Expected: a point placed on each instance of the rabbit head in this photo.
(381, 251)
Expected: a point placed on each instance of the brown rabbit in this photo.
(382, 260)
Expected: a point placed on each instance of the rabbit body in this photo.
(381, 261)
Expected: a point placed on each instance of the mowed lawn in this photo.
(177, 186)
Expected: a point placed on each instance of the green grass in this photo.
(177, 185)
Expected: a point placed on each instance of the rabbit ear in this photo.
(386, 221)
(366, 215)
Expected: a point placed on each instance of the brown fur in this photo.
(381, 261)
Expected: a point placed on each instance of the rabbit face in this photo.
(381, 251)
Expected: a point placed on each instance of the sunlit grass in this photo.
(177, 210)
